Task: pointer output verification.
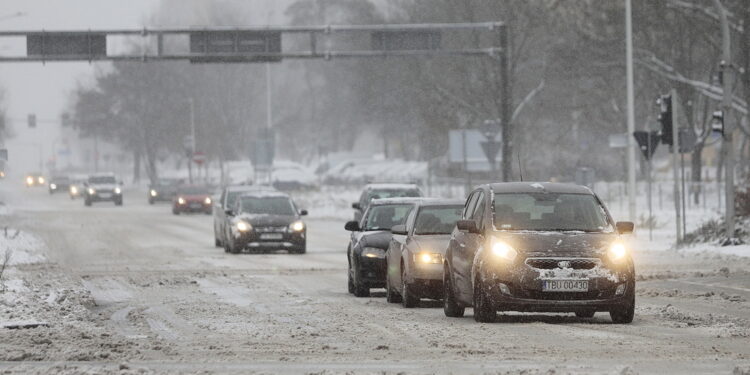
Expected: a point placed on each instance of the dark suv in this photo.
(226, 202)
(102, 188)
(382, 191)
(538, 247)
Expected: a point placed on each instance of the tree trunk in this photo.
(136, 166)
(697, 172)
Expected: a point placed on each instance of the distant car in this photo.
(102, 187)
(164, 190)
(415, 255)
(77, 186)
(265, 220)
(58, 184)
(192, 198)
(380, 191)
(34, 179)
(369, 241)
(226, 201)
(539, 247)
(290, 176)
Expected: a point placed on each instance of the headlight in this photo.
(503, 250)
(74, 190)
(428, 258)
(617, 252)
(29, 180)
(297, 226)
(118, 191)
(243, 226)
(41, 180)
(207, 200)
(92, 191)
(181, 200)
(153, 193)
(52, 186)
(373, 252)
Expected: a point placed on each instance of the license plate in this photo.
(195, 205)
(105, 195)
(271, 236)
(565, 286)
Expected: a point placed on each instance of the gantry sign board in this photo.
(261, 44)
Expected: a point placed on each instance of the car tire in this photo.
(360, 290)
(350, 281)
(409, 297)
(151, 202)
(585, 314)
(217, 242)
(451, 308)
(484, 312)
(390, 295)
(87, 203)
(624, 314)
(175, 212)
(118, 202)
(300, 250)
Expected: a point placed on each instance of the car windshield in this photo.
(393, 193)
(102, 180)
(550, 212)
(384, 217)
(267, 206)
(437, 220)
(195, 190)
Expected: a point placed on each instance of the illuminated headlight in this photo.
(502, 250)
(428, 258)
(372, 252)
(617, 252)
(52, 186)
(207, 200)
(153, 193)
(118, 191)
(92, 191)
(180, 200)
(297, 226)
(243, 226)
(73, 190)
(41, 180)
(29, 180)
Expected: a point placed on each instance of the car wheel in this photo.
(360, 289)
(585, 314)
(350, 281)
(175, 212)
(118, 202)
(87, 203)
(390, 295)
(483, 310)
(227, 249)
(451, 308)
(409, 297)
(625, 314)
(217, 242)
(301, 250)
(151, 202)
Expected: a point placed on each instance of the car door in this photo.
(219, 215)
(396, 250)
(465, 252)
(457, 240)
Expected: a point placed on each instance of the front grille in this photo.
(553, 263)
(270, 229)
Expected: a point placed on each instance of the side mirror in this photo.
(356, 206)
(399, 229)
(229, 212)
(625, 227)
(352, 226)
(467, 226)
(302, 212)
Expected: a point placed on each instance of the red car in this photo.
(192, 199)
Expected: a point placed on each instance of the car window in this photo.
(195, 190)
(550, 212)
(437, 220)
(266, 206)
(469, 209)
(478, 214)
(385, 217)
(232, 198)
(102, 180)
(393, 193)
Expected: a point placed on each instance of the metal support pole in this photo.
(192, 136)
(650, 166)
(684, 193)
(507, 103)
(631, 109)
(675, 173)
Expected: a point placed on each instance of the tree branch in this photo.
(527, 99)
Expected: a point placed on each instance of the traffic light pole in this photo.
(631, 109)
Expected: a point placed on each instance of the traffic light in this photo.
(717, 122)
(665, 119)
(32, 120)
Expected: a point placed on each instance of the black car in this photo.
(263, 221)
(415, 255)
(58, 184)
(369, 241)
(102, 187)
(382, 191)
(539, 247)
(226, 201)
(164, 190)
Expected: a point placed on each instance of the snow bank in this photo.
(23, 247)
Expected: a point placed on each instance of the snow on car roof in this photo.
(427, 202)
(400, 200)
(391, 186)
(264, 194)
(536, 187)
(234, 188)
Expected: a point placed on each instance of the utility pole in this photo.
(631, 108)
(728, 145)
(507, 104)
(192, 140)
(675, 173)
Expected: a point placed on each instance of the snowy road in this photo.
(166, 300)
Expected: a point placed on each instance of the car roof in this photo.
(539, 187)
(265, 194)
(241, 188)
(429, 202)
(388, 186)
(400, 200)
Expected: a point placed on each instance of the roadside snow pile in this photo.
(328, 203)
(714, 231)
(362, 171)
(722, 325)
(20, 247)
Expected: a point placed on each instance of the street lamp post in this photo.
(631, 108)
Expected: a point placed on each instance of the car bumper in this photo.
(192, 207)
(98, 197)
(287, 241)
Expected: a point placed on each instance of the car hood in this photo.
(103, 186)
(194, 197)
(267, 220)
(558, 243)
(378, 239)
(435, 243)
